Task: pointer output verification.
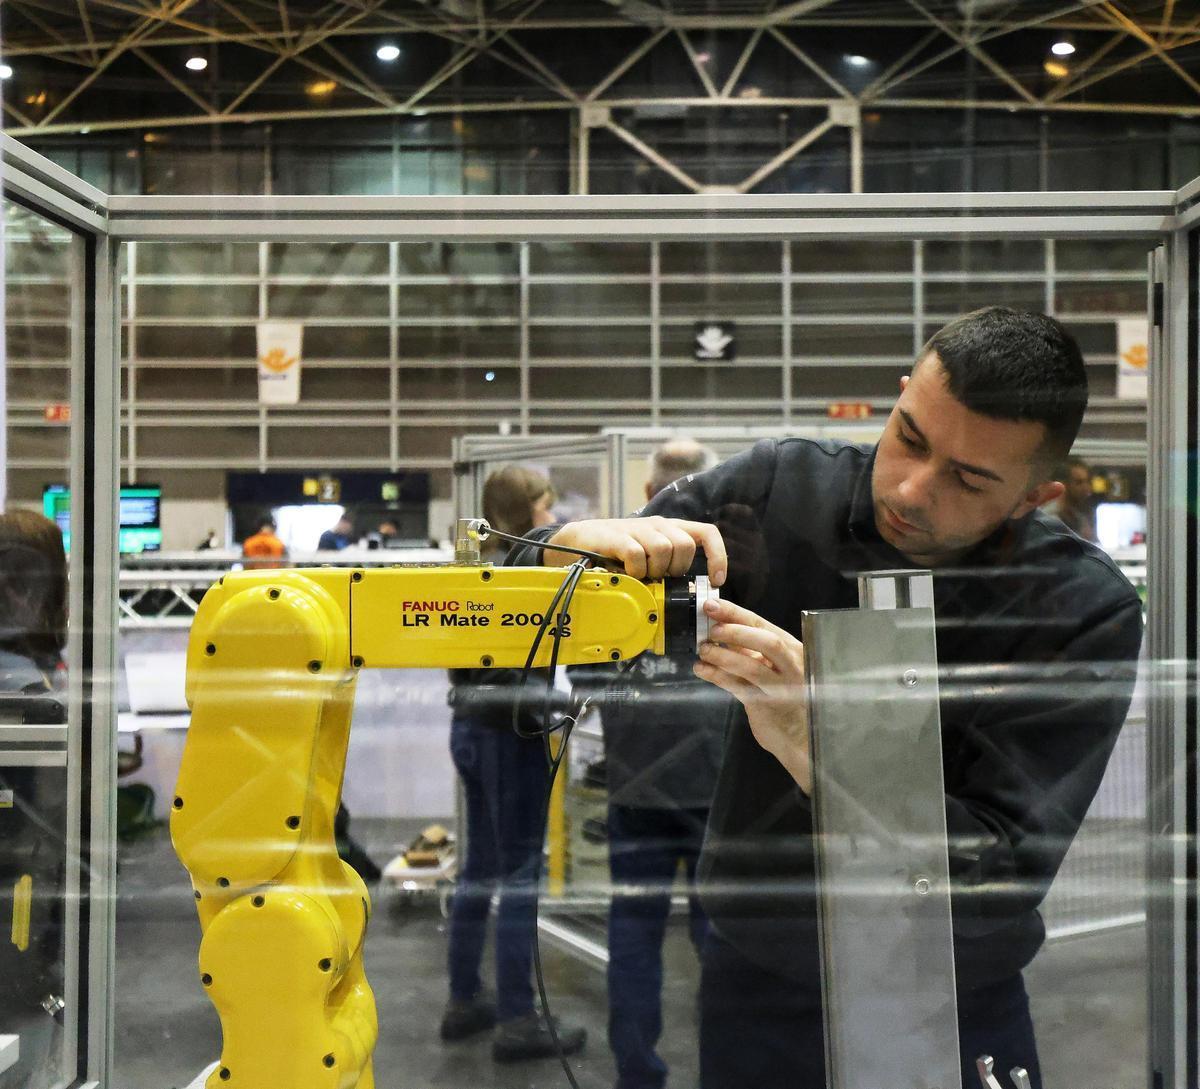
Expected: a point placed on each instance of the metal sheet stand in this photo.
(880, 826)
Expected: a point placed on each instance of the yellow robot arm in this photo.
(272, 664)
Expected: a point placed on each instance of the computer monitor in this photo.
(140, 515)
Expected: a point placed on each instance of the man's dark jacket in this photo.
(1037, 634)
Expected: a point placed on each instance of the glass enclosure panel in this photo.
(962, 296)
(42, 279)
(325, 301)
(719, 258)
(852, 298)
(327, 259)
(719, 299)
(589, 258)
(471, 301)
(858, 256)
(413, 345)
(584, 300)
(459, 383)
(450, 342)
(196, 258)
(984, 255)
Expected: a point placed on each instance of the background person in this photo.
(264, 548)
(334, 540)
(504, 784)
(1076, 509)
(663, 734)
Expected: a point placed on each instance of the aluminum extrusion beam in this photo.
(1149, 227)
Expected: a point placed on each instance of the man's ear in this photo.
(650, 492)
(904, 380)
(1039, 497)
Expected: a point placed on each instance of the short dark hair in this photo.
(1016, 365)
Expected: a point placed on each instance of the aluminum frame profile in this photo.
(59, 197)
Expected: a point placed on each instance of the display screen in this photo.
(139, 514)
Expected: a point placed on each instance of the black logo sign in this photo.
(716, 342)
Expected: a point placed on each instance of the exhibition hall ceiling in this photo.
(77, 66)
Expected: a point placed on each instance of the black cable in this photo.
(486, 531)
(566, 588)
(565, 593)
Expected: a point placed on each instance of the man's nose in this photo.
(916, 487)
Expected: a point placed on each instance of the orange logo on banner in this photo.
(1138, 356)
(852, 411)
(57, 413)
(277, 360)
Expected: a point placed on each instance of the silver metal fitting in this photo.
(922, 886)
(909, 678)
(54, 1005)
(467, 534)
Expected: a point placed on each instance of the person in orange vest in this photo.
(264, 548)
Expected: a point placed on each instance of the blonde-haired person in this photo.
(516, 500)
(504, 783)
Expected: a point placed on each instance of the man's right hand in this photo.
(649, 548)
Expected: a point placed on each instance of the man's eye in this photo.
(967, 487)
(907, 441)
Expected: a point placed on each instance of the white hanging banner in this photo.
(1133, 358)
(279, 362)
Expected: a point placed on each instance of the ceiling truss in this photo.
(319, 36)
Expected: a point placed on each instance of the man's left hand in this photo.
(762, 666)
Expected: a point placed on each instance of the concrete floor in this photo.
(1088, 996)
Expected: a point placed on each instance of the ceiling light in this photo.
(321, 87)
(1062, 48)
(5, 71)
(857, 60)
(703, 58)
(196, 64)
(490, 376)
(1055, 68)
(388, 52)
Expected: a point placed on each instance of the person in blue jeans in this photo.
(663, 736)
(504, 779)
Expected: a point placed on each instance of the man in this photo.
(264, 548)
(334, 540)
(1076, 509)
(995, 399)
(663, 734)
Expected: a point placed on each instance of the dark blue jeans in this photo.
(504, 781)
(759, 1029)
(645, 848)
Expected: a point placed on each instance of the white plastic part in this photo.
(10, 1052)
(705, 591)
(202, 1077)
